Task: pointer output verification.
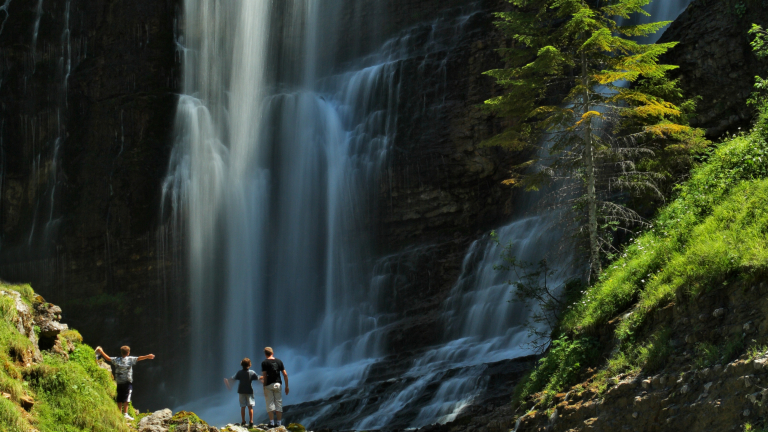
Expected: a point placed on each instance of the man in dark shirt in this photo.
(270, 374)
(244, 390)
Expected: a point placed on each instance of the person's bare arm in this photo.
(285, 375)
(226, 382)
(263, 377)
(103, 354)
(146, 357)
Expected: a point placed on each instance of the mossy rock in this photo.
(295, 427)
(73, 336)
(184, 417)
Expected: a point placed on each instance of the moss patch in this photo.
(184, 417)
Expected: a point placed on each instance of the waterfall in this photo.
(280, 143)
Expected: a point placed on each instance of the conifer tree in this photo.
(590, 98)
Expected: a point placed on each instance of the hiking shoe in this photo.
(250, 425)
(127, 417)
(243, 424)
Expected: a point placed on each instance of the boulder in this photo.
(47, 318)
(156, 422)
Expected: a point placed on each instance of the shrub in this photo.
(559, 369)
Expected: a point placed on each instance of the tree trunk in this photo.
(589, 156)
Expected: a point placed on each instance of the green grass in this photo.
(684, 249)
(707, 354)
(72, 395)
(715, 232)
(11, 417)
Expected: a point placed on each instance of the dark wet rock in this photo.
(716, 61)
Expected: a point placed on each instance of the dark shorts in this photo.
(124, 392)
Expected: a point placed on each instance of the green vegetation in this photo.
(182, 418)
(567, 93)
(295, 427)
(691, 245)
(713, 234)
(749, 427)
(69, 395)
(560, 368)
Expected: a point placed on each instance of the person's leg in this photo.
(250, 414)
(278, 404)
(269, 399)
(242, 414)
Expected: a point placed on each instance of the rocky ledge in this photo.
(184, 421)
(40, 324)
(713, 379)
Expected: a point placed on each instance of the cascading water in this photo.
(272, 188)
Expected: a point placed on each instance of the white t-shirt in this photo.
(124, 369)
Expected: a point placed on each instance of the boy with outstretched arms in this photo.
(271, 368)
(123, 368)
(244, 390)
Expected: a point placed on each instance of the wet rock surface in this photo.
(440, 184)
(88, 104)
(716, 61)
(389, 377)
(687, 394)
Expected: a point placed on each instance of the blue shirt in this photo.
(246, 377)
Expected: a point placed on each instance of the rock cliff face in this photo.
(88, 91)
(441, 185)
(716, 60)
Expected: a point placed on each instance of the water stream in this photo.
(272, 187)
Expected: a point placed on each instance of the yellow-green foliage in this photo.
(296, 427)
(692, 244)
(712, 234)
(73, 336)
(184, 417)
(70, 396)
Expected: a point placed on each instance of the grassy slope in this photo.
(714, 232)
(70, 396)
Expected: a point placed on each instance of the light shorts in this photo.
(274, 397)
(246, 400)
